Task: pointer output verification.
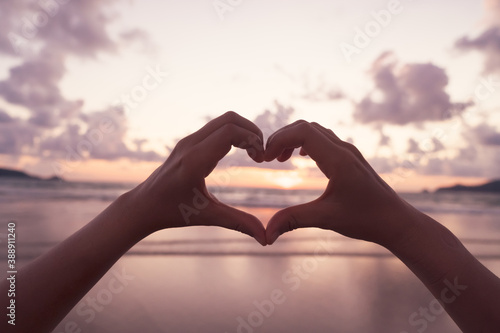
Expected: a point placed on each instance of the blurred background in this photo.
(95, 94)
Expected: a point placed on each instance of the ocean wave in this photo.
(22, 190)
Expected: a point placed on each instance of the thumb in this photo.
(221, 215)
(291, 218)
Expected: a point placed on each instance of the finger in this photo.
(334, 138)
(327, 132)
(229, 117)
(256, 150)
(287, 153)
(221, 215)
(301, 216)
(349, 147)
(269, 139)
(289, 137)
(320, 148)
(205, 155)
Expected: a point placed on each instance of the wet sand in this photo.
(212, 280)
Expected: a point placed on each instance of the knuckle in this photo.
(352, 148)
(349, 146)
(304, 126)
(183, 164)
(301, 121)
(187, 162)
(183, 143)
(231, 116)
(228, 129)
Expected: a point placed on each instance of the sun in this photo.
(286, 179)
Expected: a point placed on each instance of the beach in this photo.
(207, 279)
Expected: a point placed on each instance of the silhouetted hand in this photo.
(175, 194)
(356, 203)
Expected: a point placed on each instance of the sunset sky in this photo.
(102, 90)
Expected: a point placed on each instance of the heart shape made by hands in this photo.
(355, 203)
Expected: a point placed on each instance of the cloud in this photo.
(438, 145)
(34, 84)
(486, 135)
(102, 137)
(413, 147)
(9, 16)
(429, 146)
(76, 27)
(470, 162)
(385, 140)
(43, 35)
(411, 93)
(488, 42)
(5, 117)
(269, 122)
(81, 28)
(17, 135)
(478, 158)
(51, 31)
(139, 38)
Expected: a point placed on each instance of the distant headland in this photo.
(489, 187)
(16, 174)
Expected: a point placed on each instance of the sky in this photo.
(102, 90)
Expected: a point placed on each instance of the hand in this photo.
(356, 203)
(175, 195)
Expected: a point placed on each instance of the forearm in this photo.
(58, 279)
(467, 290)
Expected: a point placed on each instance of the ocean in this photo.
(207, 279)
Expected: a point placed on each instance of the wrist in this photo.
(401, 225)
(429, 249)
(125, 209)
(409, 228)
